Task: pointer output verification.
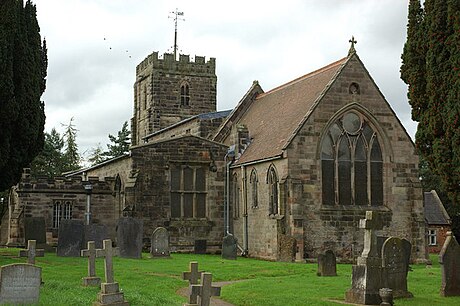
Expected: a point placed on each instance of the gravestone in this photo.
(229, 247)
(129, 237)
(96, 233)
(395, 258)
(90, 252)
(200, 246)
(35, 229)
(31, 252)
(159, 243)
(70, 238)
(205, 290)
(327, 264)
(366, 275)
(20, 284)
(287, 248)
(449, 258)
(110, 291)
(193, 275)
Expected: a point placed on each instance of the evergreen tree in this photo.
(96, 155)
(23, 64)
(120, 144)
(71, 156)
(50, 161)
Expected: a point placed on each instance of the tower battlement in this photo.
(199, 65)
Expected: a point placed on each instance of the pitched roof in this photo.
(275, 115)
(435, 213)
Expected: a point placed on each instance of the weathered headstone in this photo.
(90, 252)
(70, 238)
(366, 274)
(229, 247)
(35, 229)
(193, 275)
(20, 284)
(110, 291)
(327, 264)
(31, 252)
(159, 247)
(395, 260)
(287, 248)
(96, 233)
(129, 237)
(200, 246)
(449, 258)
(205, 290)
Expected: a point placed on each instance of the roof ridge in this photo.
(305, 76)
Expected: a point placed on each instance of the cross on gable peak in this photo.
(352, 46)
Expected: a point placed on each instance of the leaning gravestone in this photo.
(159, 247)
(327, 264)
(35, 229)
(96, 233)
(129, 237)
(449, 258)
(70, 238)
(20, 284)
(229, 247)
(395, 258)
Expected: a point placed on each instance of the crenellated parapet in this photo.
(199, 65)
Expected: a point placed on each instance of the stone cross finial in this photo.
(372, 223)
(352, 47)
(192, 276)
(108, 252)
(31, 252)
(205, 290)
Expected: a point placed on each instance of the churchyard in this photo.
(148, 281)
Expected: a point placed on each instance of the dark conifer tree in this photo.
(23, 64)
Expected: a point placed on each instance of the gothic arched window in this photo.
(184, 94)
(253, 181)
(235, 196)
(351, 163)
(272, 180)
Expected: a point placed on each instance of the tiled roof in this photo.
(276, 114)
(435, 214)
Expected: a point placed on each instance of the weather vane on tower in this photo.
(175, 16)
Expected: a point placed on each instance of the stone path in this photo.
(214, 300)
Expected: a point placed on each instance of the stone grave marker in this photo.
(200, 246)
(96, 233)
(449, 258)
(205, 290)
(90, 252)
(110, 291)
(327, 264)
(70, 238)
(193, 275)
(366, 275)
(129, 237)
(20, 284)
(229, 247)
(159, 247)
(31, 252)
(395, 267)
(287, 248)
(35, 229)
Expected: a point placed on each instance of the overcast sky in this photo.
(95, 45)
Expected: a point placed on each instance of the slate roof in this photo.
(275, 115)
(435, 213)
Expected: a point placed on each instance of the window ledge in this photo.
(381, 208)
(276, 216)
(190, 222)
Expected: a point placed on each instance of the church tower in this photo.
(167, 91)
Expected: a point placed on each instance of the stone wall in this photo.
(151, 194)
(336, 227)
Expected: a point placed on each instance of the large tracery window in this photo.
(188, 191)
(351, 162)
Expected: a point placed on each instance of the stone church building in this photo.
(294, 167)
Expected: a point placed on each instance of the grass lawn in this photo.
(155, 281)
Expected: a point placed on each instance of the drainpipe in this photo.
(88, 189)
(230, 154)
(245, 211)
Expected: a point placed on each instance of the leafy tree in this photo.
(23, 64)
(120, 144)
(71, 157)
(97, 155)
(50, 161)
(431, 67)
